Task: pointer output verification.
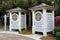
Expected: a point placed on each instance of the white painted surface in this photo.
(53, 19)
(15, 24)
(10, 21)
(38, 24)
(5, 22)
(50, 22)
(19, 21)
(33, 28)
(46, 24)
(41, 25)
(23, 21)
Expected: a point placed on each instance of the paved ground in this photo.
(49, 37)
(34, 36)
(4, 36)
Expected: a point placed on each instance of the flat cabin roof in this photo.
(41, 7)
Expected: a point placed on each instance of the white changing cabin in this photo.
(17, 18)
(42, 18)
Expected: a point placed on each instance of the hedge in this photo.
(58, 36)
(56, 30)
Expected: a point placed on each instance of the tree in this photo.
(8, 4)
(49, 2)
(57, 7)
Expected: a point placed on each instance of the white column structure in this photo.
(19, 21)
(10, 21)
(25, 21)
(44, 22)
(5, 22)
(33, 28)
(53, 20)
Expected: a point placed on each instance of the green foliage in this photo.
(49, 2)
(34, 2)
(58, 36)
(2, 9)
(44, 1)
(8, 4)
(22, 3)
(57, 7)
(56, 30)
(24, 30)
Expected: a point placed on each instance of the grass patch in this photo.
(24, 31)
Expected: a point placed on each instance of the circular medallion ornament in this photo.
(38, 16)
(14, 17)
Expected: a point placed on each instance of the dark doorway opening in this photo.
(29, 21)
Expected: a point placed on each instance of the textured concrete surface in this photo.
(4, 36)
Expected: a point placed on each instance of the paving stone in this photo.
(4, 36)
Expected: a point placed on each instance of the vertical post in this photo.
(44, 22)
(5, 22)
(25, 21)
(53, 19)
(10, 27)
(19, 21)
(33, 28)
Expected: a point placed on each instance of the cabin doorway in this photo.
(29, 22)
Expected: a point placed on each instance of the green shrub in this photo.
(24, 30)
(56, 30)
(57, 35)
(57, 38)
